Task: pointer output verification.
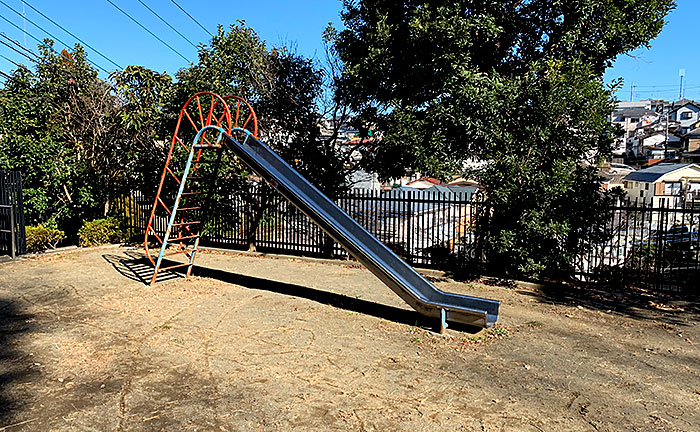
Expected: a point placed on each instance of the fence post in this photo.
(13, 233)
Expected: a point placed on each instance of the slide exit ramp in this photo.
(413, 288)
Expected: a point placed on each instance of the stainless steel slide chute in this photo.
(406, 282)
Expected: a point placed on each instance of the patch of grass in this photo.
(415, 340)
(534, 324)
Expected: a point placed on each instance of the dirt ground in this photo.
(277, 343)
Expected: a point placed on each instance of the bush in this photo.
(101, 231)
(40, 238)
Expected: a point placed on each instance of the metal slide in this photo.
(423, 296)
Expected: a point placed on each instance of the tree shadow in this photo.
(638, 303)
(132, 266)
(15, 368)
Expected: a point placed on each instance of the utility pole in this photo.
(681, 73)
(632, 93)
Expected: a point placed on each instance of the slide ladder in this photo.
(217, 134)
(178, 222)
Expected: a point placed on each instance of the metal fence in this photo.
(12, 234)
(656, 247)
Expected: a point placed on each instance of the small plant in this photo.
(40, 238)
(534, 324)
(497, 331)
(101, 231)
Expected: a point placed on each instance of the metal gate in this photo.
(12, 235)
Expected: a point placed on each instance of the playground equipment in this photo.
(211, 126)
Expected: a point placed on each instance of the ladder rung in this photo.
(191, 193)
(188, 208)
(174, 266)
(182, 238)
(208, 146)
(187, 223)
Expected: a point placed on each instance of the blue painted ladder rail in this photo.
(405, 281)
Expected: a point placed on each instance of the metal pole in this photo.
(12, 232)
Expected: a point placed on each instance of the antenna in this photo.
(681, 73)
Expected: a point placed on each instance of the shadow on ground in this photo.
(136, 266)
(670, 307)
(16, 367)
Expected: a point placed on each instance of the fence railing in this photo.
(12, 234)
(656, 247)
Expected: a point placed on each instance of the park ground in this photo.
(281, 343)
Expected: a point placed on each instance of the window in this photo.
(672, 188)
(634, 120)
(686, 115)
(641, 194)
(646, 186)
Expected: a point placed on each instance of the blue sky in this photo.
(102, 26)
(653, 71)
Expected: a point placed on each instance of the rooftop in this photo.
(653, 173)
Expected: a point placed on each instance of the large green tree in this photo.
(516, 84)
(285, 89)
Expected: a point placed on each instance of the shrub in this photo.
(101, 231)
(40, 238)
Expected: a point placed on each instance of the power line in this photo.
(11, 61)
(65, 30)
(32, 36)
(50, 35)
(9, 39)
(150, 32)
(191, 17)
(17, 51)
(167, 23)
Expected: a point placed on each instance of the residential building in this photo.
(664, 184)
(687, 113)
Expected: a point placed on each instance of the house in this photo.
(687, 113)
(692, 144)
(423, 183)
(664, 184)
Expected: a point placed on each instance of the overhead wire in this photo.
(50, 35)
(149, 32)
(67, 31)
(167, 23)
(17, 51)
(11, 61)
(191, 17)
(19, 45)
(32, 36)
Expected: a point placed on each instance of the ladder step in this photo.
(182, 238)
(191, 193)
(173, 266)
(188, 208)
(207, 146)
(187, 223)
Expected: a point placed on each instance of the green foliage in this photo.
(39, 238)
(516, 85)
(78, 141)
(101, 231)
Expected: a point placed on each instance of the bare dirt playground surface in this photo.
(257, 343)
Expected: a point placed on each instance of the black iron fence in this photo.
(657, 247)
(12, 235)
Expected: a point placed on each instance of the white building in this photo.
(664, 184)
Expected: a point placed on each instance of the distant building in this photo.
(664, 184)
(687, 113)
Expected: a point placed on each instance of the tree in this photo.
(79, 142)
(516, 84)
(284, 88)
